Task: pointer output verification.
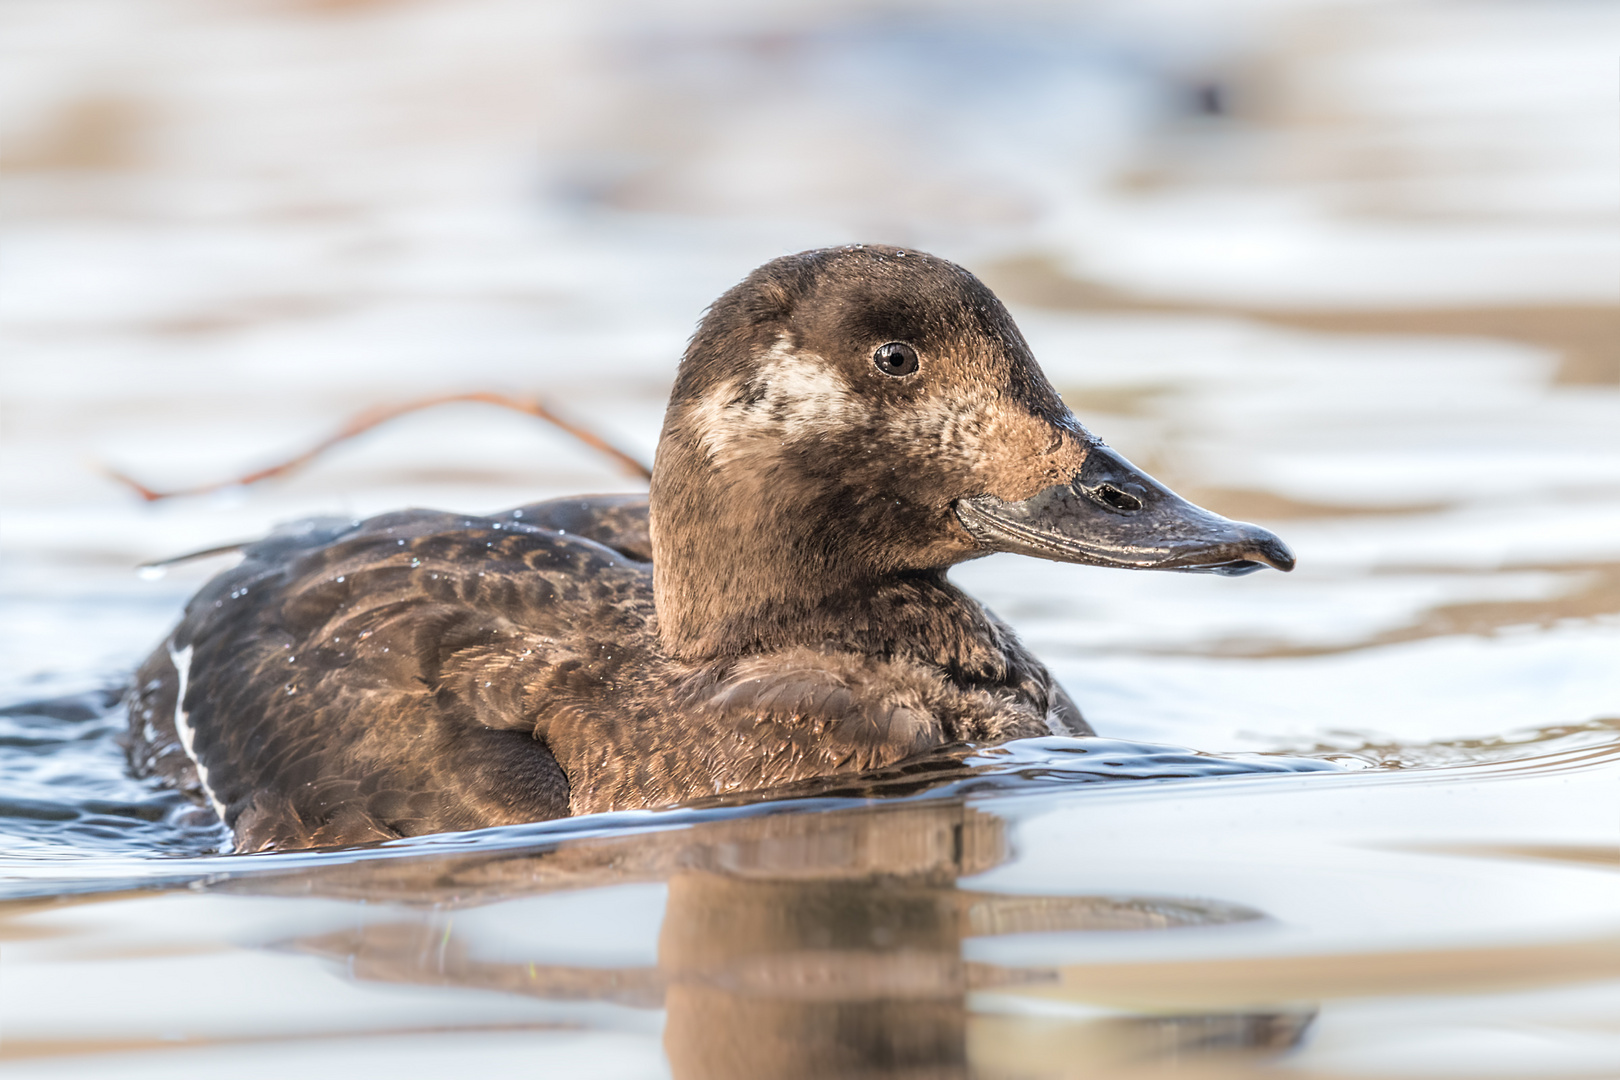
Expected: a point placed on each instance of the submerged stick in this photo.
(364, 422)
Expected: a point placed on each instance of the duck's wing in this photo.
(615, 521)
(360, 681)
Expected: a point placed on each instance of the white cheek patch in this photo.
(791, 396)
(708, 420)
(804, 395)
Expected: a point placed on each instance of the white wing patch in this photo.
(182, 723)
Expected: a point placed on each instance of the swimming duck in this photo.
(845, 426)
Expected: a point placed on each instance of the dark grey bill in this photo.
(1114, 514)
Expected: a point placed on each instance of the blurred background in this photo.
(1347, 268)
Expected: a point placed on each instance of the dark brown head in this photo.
(854, 414)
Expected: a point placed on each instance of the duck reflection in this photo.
(806, 945)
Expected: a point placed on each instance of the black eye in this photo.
(896, 358)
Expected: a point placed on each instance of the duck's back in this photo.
(353, 681)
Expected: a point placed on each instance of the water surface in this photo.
(1391, 849)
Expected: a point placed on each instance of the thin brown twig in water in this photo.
(374, 417)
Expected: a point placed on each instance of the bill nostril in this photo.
(1109, 495)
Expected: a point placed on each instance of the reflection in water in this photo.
(800, 945)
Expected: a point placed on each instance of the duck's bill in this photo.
(1114, 514)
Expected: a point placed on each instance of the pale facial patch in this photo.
(791, 396)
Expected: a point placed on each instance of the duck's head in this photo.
(855, 414)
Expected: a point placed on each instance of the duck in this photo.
(846, 425)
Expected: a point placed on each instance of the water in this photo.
(1368, 305)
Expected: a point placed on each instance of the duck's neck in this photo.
(737, 571)
(743, 568)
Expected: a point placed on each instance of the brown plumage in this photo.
(845, 426)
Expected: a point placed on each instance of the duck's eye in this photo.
(896, 358)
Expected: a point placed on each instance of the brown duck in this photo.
(846, 425)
